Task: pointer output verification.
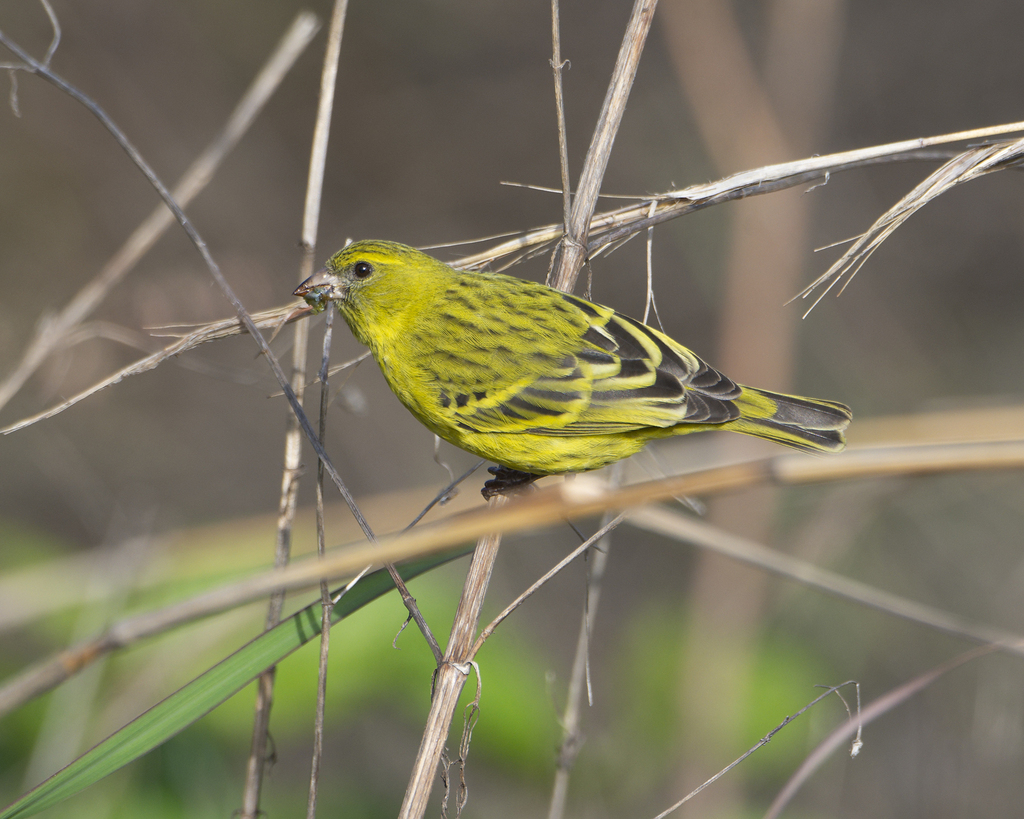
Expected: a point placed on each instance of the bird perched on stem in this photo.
(539, 381)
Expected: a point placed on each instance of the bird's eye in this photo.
(362, 269)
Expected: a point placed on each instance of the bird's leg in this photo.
(506, 481)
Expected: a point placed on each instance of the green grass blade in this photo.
(206, 692)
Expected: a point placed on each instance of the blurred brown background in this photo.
(437, 104)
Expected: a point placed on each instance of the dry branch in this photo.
(292, 467)
(969, 165)
(575, 499)
(451, 674)
(611, 228)
(52, 332)
(882, 705)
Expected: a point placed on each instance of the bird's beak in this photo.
(319, 282)
(319, 288)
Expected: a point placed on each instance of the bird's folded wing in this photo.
(616, 376)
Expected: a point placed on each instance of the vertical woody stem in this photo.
(452, 672)
(572, 252)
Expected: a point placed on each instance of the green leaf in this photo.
(207, 691)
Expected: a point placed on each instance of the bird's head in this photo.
(375, 284)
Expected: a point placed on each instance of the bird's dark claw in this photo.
(506, 481)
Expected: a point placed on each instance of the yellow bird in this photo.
(540, 381)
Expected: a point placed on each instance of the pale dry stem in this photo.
(607, 230)
(52, 331)
(852, 727)
(579, 499)
(964, 167)
(29, 64)
(451, 677)
(579, 677)
(291, 471)
(451, 674)
(759, 744)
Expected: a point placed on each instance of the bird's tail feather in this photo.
(808, 424)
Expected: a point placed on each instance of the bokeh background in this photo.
(170, 479)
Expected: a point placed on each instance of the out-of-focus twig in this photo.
(677, 526)
(579, 676)
(267, 320)
(453, 671)
(571, 499)
(759, 744)
(852, 726)
(30, 64)
(54, 329)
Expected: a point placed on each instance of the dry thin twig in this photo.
(760, 744)
(852, 726)
(30, 64)
(606, 229)
(451, 673)
(271, 320)
(572, 499)
(686, 529)
(964, 167)
(572, 251)
(605, 529)
(579, 679)
(326, 603)
(557, 64)
(292, 468)
(53, 330)
(311, 220)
